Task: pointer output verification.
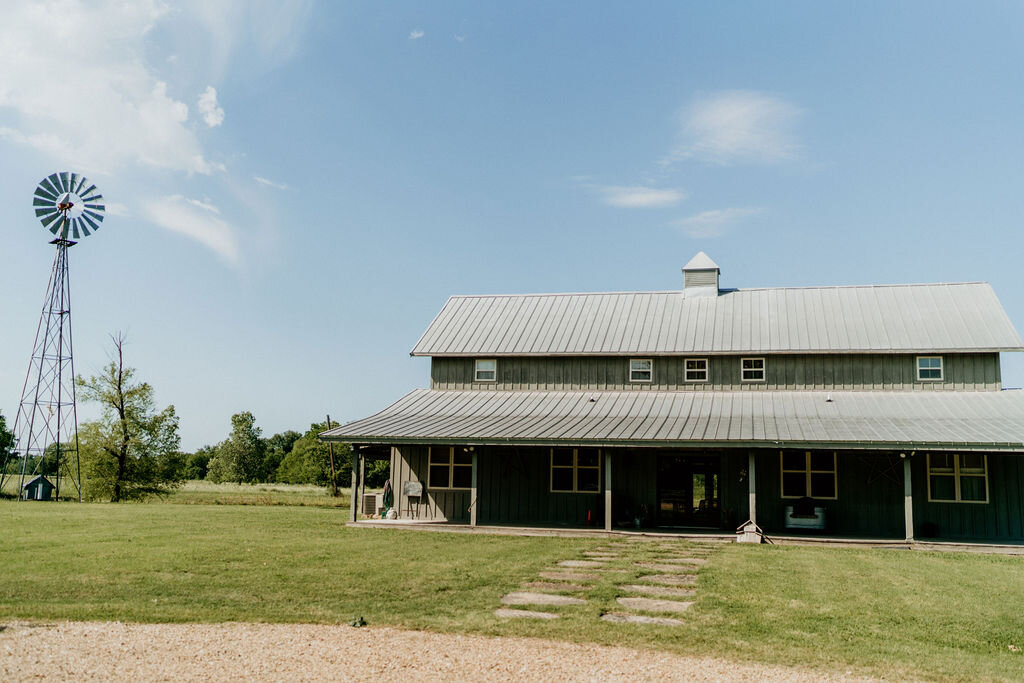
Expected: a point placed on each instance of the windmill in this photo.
(46, 427)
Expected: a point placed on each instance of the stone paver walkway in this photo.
(528, 598)
(652, 579)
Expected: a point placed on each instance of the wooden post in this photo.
(908, 499)
(472, 493)
(330, 449)
(362, 482)
(752, 485)
(353, 505)
(607, 490)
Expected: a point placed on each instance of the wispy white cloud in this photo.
(460, 38)
(197, 220)
(269, 183)
(122, 110)
(416, 34)
(738, 126)
(212, 113)
(714, 223)
(117, 111)
(640, 197)
(117, 209)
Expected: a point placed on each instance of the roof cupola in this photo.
(700, 276)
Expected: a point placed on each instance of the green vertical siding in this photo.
(1000, 519)
(822, 372)
(869, 501)
(514, 488)
(409, 463)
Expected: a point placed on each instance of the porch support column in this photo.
(752, 485)
(353, 504)
(472, 493)
(362, 483)
(607, 490)
(908, 499)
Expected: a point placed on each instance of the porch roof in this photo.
(983, 420)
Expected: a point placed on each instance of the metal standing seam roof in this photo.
(861, 319)
(984, 420)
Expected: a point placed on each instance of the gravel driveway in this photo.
(184, 652)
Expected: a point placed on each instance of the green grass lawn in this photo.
(204, 492)
(886, 612)
(208, 493)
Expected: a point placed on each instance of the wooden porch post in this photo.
(908, 499)
(752, 485)
(362, 483)
(472, 493)
(607, 490)
(353, 503)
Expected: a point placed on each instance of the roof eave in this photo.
(788, 352)
(902, 446)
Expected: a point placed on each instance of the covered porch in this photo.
(888, 466)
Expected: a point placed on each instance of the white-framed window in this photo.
(695, 370)
(575, 470)
(752, 369)
(485, 370)
(957, 478)
(641, 369)
(808, 474)
(450, 468)
(929, 368)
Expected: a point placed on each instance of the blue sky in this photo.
(294, 192)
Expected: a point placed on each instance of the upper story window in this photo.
(641, 369)
(808, 474)
(575, 470)
(752, 369)
(929, 368)
(696, 370)
(958, 477)
(486, 370)
(450, 468)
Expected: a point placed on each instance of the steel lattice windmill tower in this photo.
(46, 427)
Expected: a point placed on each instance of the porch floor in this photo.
(949, 545)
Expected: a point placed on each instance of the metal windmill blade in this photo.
(68, 205)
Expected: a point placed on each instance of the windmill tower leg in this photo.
(47, 421)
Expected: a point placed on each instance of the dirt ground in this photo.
(187, 652)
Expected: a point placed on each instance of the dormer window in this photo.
(486, 370)
(929, 368)
(752, 369)
(641, 369)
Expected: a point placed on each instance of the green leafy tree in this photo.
(196, 464)
(278, 446)
(309, 461)
(6, 442)
(240, 457)
(131, 451)
(377, 472)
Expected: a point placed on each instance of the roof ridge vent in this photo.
(700, 276)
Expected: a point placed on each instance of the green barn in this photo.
(871, 412)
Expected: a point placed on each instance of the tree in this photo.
(309, 460)
(278, 446)
(196, 464)
(129, 452)
(9, 461)
(240, 457)
(6, 441)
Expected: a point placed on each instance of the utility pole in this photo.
(330, 449)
